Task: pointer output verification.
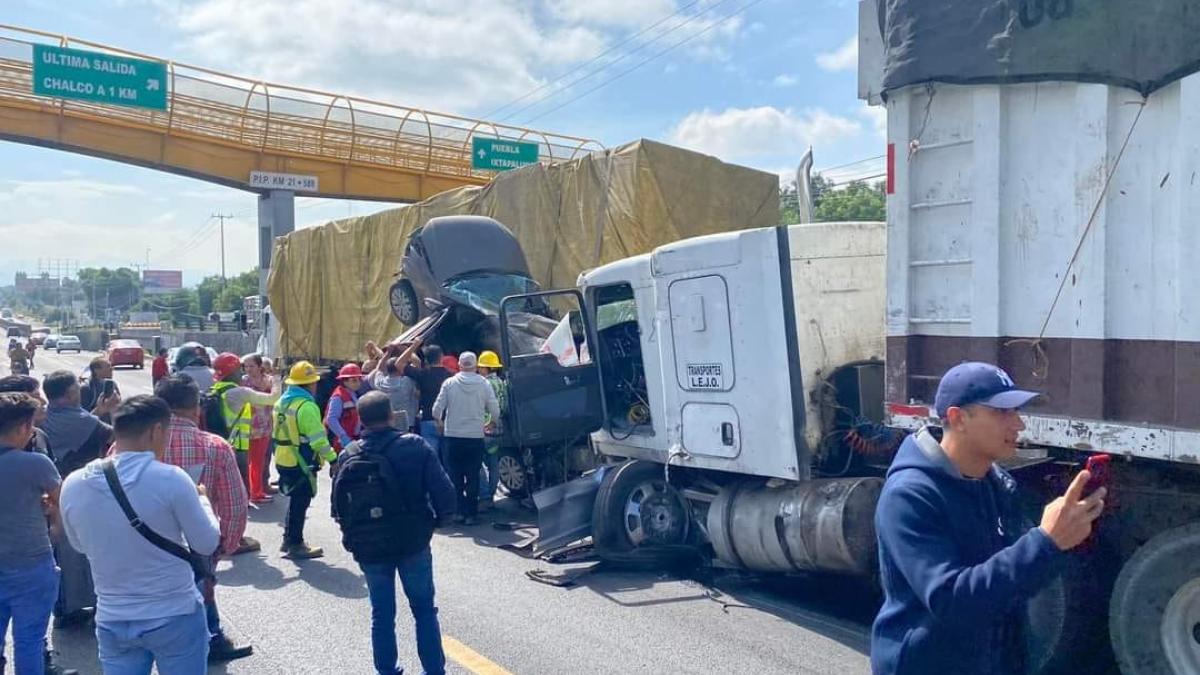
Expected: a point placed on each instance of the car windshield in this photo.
(69, 338)
(484, 292)
(126, 344)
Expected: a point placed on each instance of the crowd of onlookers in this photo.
(116, 510)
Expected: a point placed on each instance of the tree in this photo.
(855, 201)
(108, 290)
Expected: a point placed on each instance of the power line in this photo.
(606, 66)
(595, 58)
(842, 166)
(645, 61)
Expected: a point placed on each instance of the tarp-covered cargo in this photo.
(328, 286)
(1141, 45)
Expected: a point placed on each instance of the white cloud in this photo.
(877, 116)
(627, 13)
(743, 133)
(842, 58)
(443, 56)
(785, 81)
(464, 57)
(69, 189)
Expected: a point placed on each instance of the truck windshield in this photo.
(485, 291)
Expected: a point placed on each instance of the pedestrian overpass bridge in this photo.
(220, 127)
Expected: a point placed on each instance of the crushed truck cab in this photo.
(742, 361)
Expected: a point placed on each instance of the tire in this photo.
(1154, 614)
(1064, 632)
(403, 301)
(513, 476)
(636, 508)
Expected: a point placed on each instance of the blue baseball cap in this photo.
(982, 384)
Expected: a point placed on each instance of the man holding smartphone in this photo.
(956, 562)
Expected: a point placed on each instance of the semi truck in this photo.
(747, 391)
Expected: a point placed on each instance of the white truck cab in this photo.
(740, 361)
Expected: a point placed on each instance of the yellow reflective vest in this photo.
(237, 421)
(299, 434)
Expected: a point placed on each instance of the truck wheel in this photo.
(1154, 615)
(513, 476)
(1066, 620)
(403, 300)
(636, 507)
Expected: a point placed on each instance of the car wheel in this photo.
(513, 476)
(1154, 614)
(403, 301)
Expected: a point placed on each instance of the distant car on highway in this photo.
(68, 343)
(39, 337)
(51, 341)
(126, 353)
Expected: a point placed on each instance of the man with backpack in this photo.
(389, 495)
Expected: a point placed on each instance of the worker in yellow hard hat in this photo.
(301, 447)
(489, 367)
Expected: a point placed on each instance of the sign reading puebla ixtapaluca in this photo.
(494, 154)
(95, 76)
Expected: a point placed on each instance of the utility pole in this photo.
(222, 219)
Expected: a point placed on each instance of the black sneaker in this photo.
(51, 667)
(221, 648)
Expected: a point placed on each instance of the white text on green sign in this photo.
(494, 154)
(96, 76)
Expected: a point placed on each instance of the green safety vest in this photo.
(238, 422)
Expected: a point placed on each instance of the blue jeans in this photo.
(491, 460)
(178, 644)
(27, 596)
(416, 576)
(429, 432)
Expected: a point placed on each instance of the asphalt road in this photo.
(314, 617)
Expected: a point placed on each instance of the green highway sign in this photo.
(495, 154)
(95, 76)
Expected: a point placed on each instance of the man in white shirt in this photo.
(149, 609)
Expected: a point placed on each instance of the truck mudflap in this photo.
(565, 510)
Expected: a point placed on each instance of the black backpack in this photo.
(378, 521)
(212, 413)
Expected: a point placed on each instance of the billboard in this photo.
(155, 282)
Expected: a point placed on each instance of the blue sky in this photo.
(753, 82)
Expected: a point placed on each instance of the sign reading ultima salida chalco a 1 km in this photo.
(62, 72)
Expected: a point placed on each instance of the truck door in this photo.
(731, 365)
(554, 392)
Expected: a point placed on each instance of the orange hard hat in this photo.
(226, 364)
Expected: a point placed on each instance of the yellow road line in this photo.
(470, 659)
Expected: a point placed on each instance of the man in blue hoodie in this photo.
(956, 562)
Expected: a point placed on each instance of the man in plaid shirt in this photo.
(210, 461)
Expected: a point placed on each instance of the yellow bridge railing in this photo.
(277, 120)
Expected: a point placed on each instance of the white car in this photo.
(68, 343)
(51, 341)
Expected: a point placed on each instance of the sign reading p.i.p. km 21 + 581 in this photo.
(95, 76)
